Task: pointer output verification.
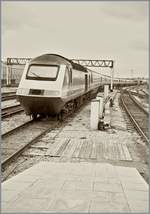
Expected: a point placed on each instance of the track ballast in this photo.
(137, 114)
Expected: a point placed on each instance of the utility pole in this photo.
(132, 73)
(112, 79)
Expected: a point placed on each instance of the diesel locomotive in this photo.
(51, 83)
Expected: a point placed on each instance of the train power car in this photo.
(51, 82)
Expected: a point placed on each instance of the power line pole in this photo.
(132, 72)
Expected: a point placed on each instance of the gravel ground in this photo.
(144, 102)
(8, 89)
(13, 122)
(8, 103)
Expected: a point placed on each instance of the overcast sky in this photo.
(87, 30)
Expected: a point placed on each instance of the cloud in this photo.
(96, 30)
(140, 45)
(133, 11)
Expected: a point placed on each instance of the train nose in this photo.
(41, 105)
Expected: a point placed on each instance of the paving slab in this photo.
(75, 187)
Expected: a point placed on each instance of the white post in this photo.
(101, 106)
(112, 77)
(106, 90)
(7, 75)
(94, 114)
(10, 75)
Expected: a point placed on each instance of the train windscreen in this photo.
(42, 72)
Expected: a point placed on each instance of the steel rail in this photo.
(8, 96)
(15, 154)
(19, 151)
(137, 94)
(22, 149)
(138, 104)
(137, 126)
(12, 131)
(11, 110)
(145, 92)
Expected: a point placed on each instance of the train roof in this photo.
(53, 58)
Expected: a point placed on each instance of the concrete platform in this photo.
(77, 142)
(75, 187)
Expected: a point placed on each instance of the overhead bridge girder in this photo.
(17, 61)
(94, 63)
(83, 62)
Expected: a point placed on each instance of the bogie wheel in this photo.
(34, 116)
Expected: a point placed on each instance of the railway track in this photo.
(8, 96)
(142, 96)
(145, 92)
(137, 114)
(11, 110)
(19, 139)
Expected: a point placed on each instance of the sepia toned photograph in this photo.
(74, 106)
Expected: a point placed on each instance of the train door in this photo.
(89, 81)
(86, 82)
(91, 78)
(70, 77)
(66, 83)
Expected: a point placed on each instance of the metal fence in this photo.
(11, 75)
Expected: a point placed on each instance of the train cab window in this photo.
(42, 72)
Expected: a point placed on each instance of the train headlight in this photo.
(19, 91)
(22, 91)
(51, 93)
